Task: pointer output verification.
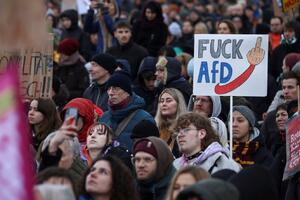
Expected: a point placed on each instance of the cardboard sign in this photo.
(36, 68)
(230, 65)
(289, 4)
(292, 147)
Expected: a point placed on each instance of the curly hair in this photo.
(123, 185)
(199, 122)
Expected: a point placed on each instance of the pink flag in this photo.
(16, 171)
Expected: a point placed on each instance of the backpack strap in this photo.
(122, 125)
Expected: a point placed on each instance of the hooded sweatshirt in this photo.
(216, 105)
(156, 188)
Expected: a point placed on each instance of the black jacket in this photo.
(132, 52)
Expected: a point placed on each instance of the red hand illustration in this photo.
(254, 57)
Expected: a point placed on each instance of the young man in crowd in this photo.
(126, 48)
(200, 146)
(102, 67)
(153, 165)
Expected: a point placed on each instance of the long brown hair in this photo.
(51, 121)
(123, 185)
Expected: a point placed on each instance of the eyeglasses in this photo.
(146, 160)
(200, 100)
(184, 131)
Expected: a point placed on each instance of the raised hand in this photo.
(256, 54)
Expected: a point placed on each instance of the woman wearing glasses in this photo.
(108, 178)
(171, 104)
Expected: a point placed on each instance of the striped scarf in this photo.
(242, 152)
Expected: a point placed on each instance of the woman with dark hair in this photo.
(150, 31)
(43, 119)
(108, 178)
(100, 143)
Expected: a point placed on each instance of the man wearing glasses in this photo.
(200, 145)
(208, 106)
(153, 165)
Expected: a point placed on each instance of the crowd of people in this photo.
(126, 67)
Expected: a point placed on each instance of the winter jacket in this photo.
(252, 152)
(151, 34)
(98, 95)
(75, 32)
(132, 52)
(213, 159)
(113, 117)
(147, 65)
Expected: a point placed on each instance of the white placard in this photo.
(230, 65)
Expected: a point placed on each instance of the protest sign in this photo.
(230, 65)
(35, 69)
(293, 147)
(289, 4)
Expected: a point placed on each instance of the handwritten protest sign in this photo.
(289, 4)
(36, 68)
(293, 147)
(230, 65)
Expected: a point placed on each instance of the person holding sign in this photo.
(248, 142)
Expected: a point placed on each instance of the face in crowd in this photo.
(116, 94)
(145, 165)
(189, 139)
(34, 116)
(168, 105)
(99, 179)
(202, 105)
(123, 35)
(281, 119)
(183, 180)
(289, 88)
(98, 137)
(240, 127)
(97, 72)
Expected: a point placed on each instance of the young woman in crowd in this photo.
(226, 27)
(108, 178)
(43, 119)
(185, 177)
(248, 143)
(170, 105)
(100, 143)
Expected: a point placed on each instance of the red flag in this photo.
(16, 171)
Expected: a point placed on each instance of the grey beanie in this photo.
(247, 113)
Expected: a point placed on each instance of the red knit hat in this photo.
(68, 46)
(146, 146)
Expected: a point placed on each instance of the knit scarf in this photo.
(242, 152)
(120, 105)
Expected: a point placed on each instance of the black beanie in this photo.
(144, 129)
(106, 61)
(120, 79)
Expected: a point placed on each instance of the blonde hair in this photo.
(200, 28)
(181, 108)
(197, 172)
